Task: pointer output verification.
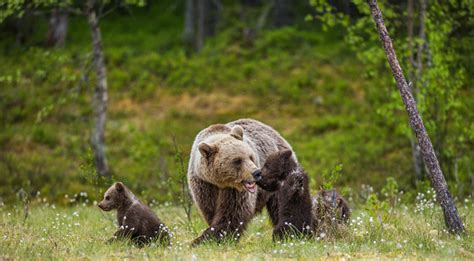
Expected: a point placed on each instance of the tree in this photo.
(200, 21)
(100, 92)
(451, 217)
(58, 24)
(189, 19)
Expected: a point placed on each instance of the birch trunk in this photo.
(451, 217)
(100, 93)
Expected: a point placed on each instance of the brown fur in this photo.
(136, 220)
(221, 164)
(330, 212)
(282, 174)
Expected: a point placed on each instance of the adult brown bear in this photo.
(222, 161)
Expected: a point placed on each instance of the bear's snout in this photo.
(102, 206)
(257, 175)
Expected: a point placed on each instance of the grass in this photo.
(81, 229)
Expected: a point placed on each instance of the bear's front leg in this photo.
(273, 209)
(234, 210)
(280, 232)
(204, 195)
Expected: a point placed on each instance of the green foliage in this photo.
(18, 7)
(321, 95)
(442, 85)
(376, 208)
(331, 177)
(392, 192)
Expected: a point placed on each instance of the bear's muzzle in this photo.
(257, 175)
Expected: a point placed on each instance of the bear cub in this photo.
(330, 211)
(136, 220)
(282, 174)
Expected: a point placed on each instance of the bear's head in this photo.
(278, 165)
(276, 169)
(116, 196)
(230, 161)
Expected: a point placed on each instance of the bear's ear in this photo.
(237, 132)
(286, 154)
(119, 186)
(207, 150)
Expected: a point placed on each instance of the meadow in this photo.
(80, 231)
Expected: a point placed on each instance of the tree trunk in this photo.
(451, 217)
(58, 23)
(189, 23)
(207, 16)
(201, 23)
(413, 78)
(100, 93)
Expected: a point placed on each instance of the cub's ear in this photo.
(119, 186)
(207, 150)
(237, 132)
(286, 154)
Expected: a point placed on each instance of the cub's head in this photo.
(230, 162)
(278, 165)
(114, 197)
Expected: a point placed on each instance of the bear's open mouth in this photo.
(250, 186)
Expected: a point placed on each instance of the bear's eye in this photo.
(252, 159)
(237, 162)
(107, 198)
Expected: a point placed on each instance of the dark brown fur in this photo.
(282, 174)
(330, 211)
(136, 220)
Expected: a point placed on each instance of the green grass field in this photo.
(80, 231)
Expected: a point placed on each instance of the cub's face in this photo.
(113, 197)
(328, 198)
(230, 161)
(278, 165)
